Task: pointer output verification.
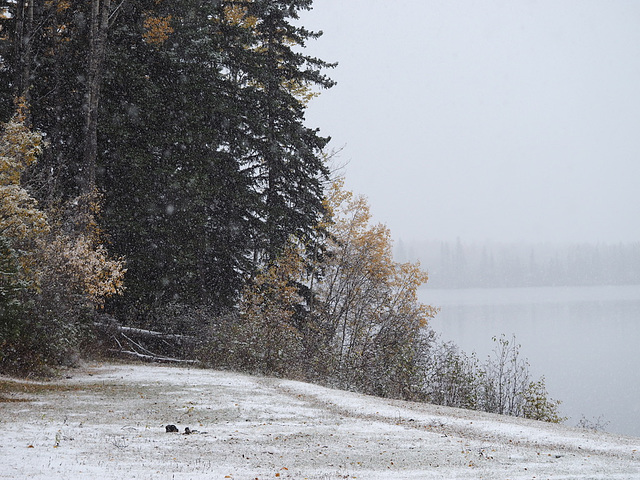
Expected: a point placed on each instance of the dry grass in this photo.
(24, 391)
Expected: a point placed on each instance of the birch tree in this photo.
(98, 29)
(369, 306)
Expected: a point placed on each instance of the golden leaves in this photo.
(20, 218)
(78, 265)
(368, 301)
(301, 91)
(273, 293)
(19, 147)
(86, 268)
(361, 266)
(59, 5)
(157, 29)
(270, 341)
(237, 15)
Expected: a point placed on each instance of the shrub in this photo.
(261, 337)
(452, 378)
(538, 405)
(500, 385)
(366, 304)
(53, 276)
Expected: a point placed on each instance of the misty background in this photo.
(498, 140)
(497, 264)
(495, 120)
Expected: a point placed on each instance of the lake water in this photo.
(584, 340)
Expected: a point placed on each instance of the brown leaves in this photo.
(157, 29)
(19, 147)
(77, 265)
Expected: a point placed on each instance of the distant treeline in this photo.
(456, 264)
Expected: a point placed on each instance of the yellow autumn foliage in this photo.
(48, 256)
(347, 312)
(19, 147)
(21, 221)
(369, 302)
(269, 342)
(157, 29)
(86, 269)
(20, 218)
(237, 14)
(362, 256)
(59, 5)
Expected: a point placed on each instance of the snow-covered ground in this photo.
(108, 422)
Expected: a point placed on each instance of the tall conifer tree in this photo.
(285, 155)
(201, 148)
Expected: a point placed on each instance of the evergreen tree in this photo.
(207, 166)
(189, 117)
(284, 155)
(177, 199)
(44, 60)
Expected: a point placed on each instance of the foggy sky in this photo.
(503, 120)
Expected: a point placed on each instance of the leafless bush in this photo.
(501, 385)
(597, 424)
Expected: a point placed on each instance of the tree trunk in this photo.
(22, 45)
(97, 52)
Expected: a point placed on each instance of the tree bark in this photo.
(99, 27)
(22, 45)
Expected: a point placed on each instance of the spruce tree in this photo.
(202, 153)
(284, 155)
(178, 201)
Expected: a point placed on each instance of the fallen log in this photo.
(153, 358)
(147, 345)
(149, 334)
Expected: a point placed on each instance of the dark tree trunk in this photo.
(97, 49)
(24, 32)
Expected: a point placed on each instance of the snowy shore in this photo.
(108, 422)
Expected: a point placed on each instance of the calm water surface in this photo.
(584, 340)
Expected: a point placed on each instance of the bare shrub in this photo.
(501, 385)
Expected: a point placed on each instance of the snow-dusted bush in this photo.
(350, 318)
(261, 336)
(56, 275)
(500, 385)
(451, 377)
(347, 316)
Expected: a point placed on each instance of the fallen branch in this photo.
(153, 358)
(148, 352)
(152, 334)
(149, 334)
(147, 345)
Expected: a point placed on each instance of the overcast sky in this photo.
(486, 120)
